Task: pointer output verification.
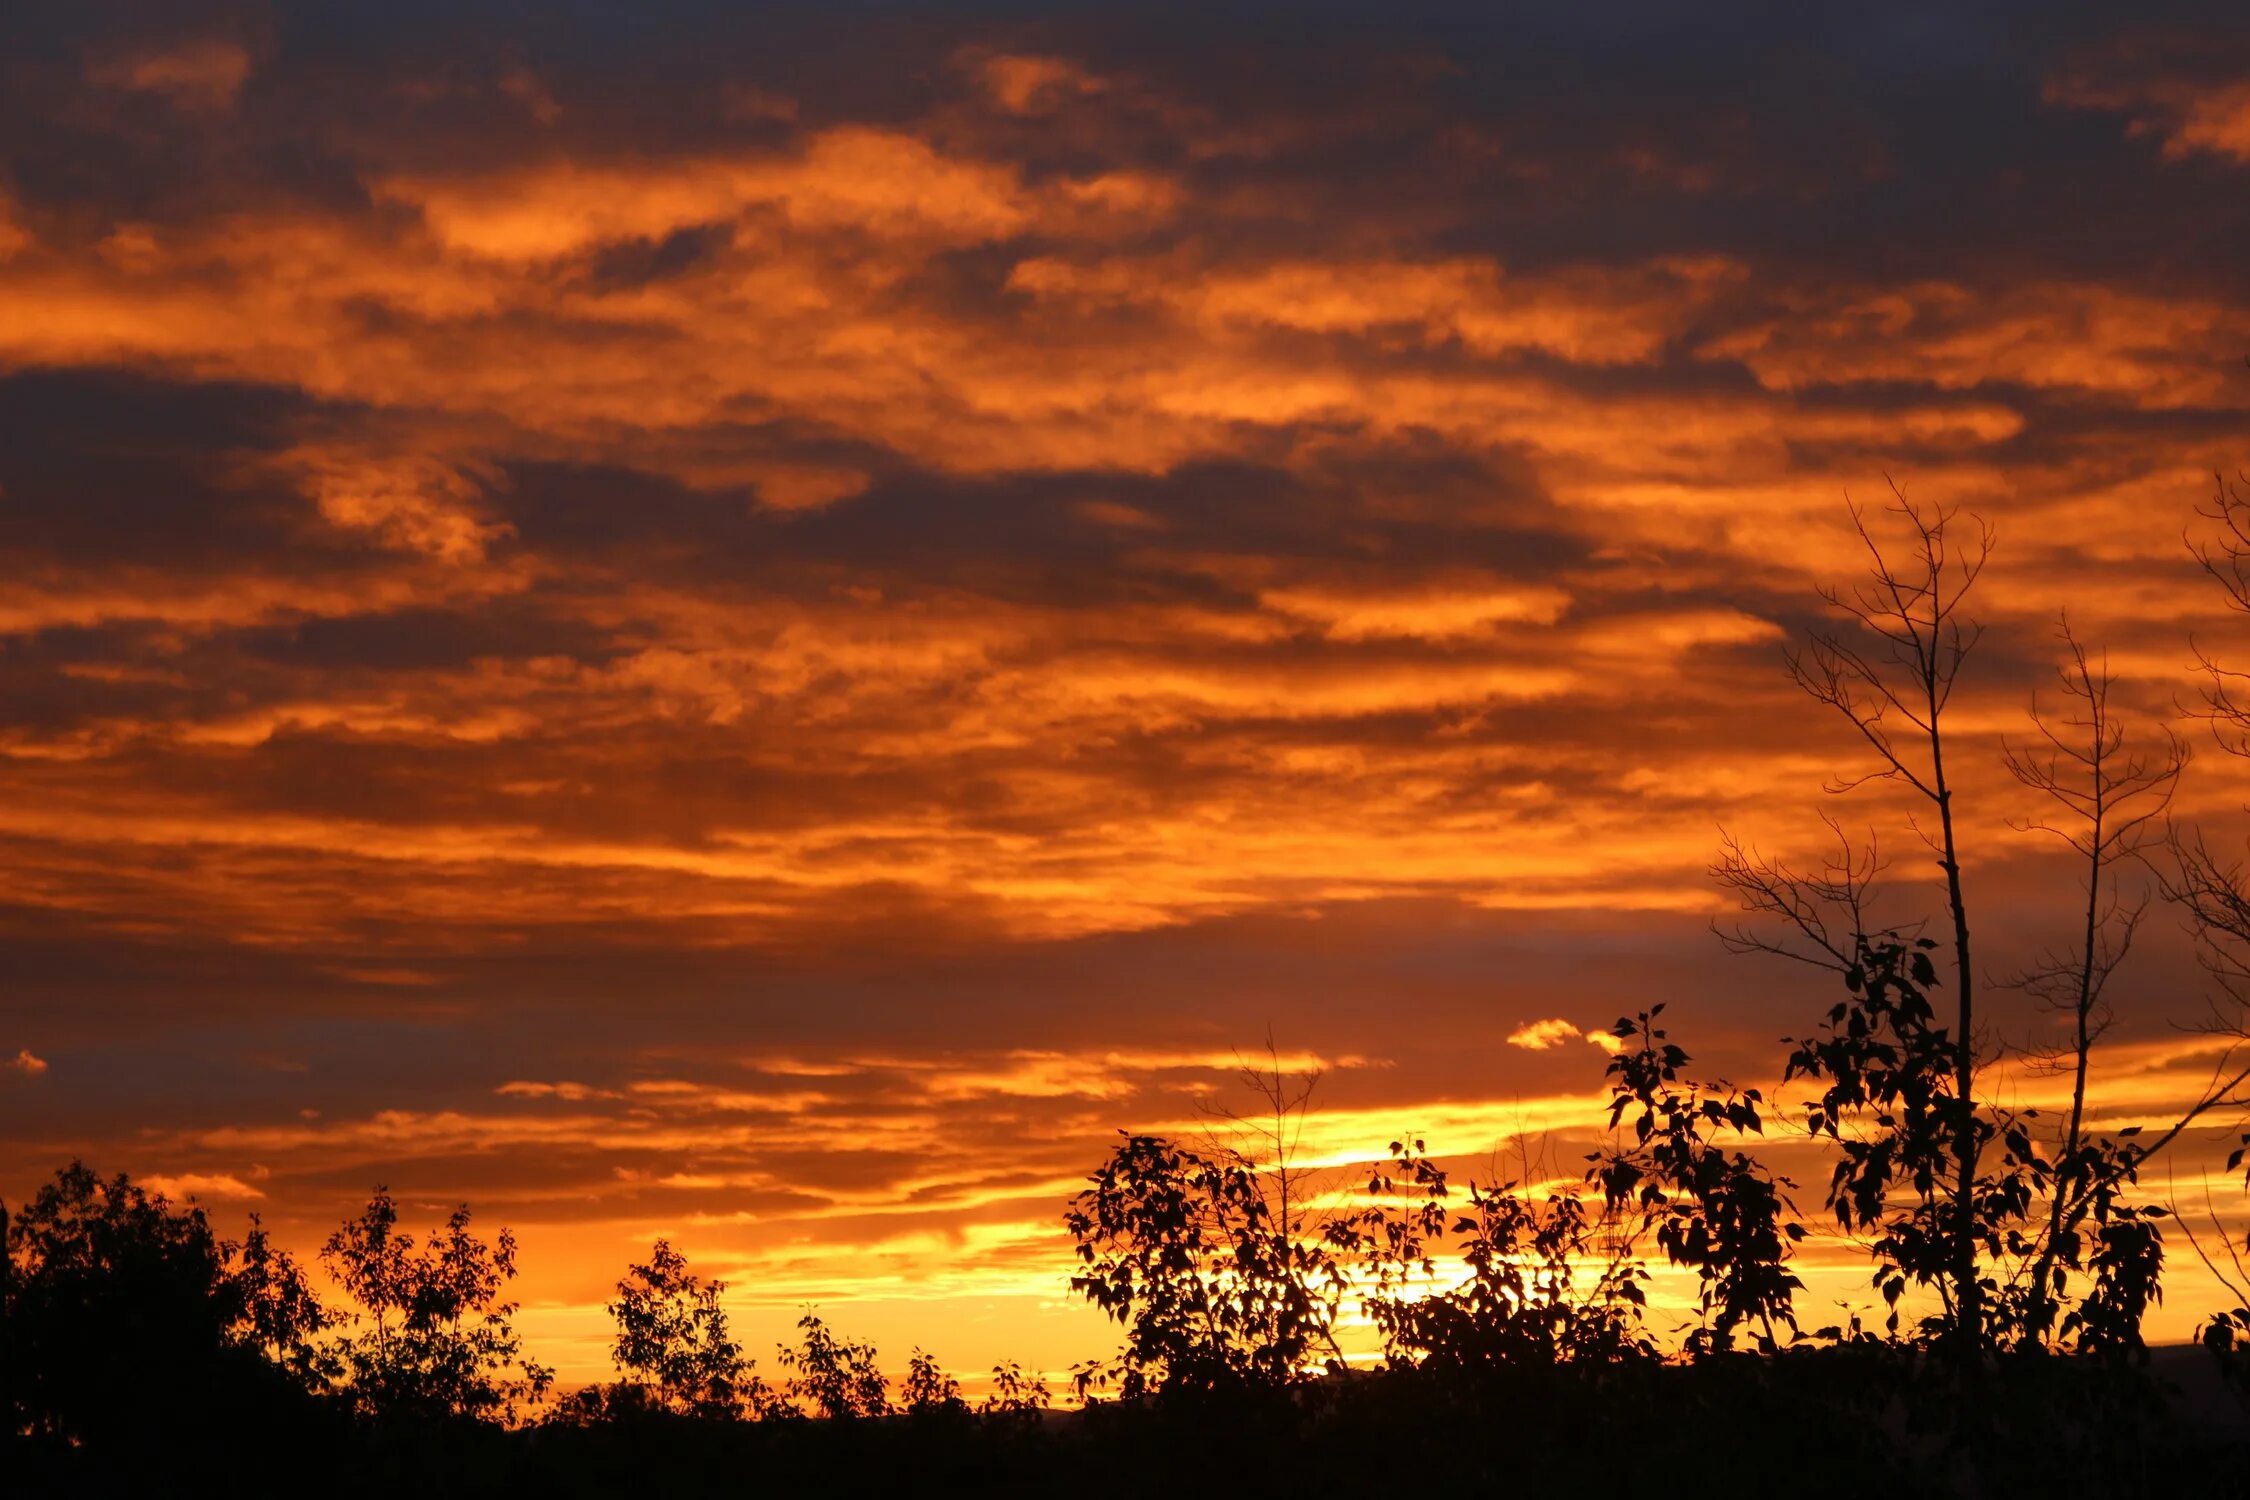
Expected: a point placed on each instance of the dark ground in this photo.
(1837, 1423)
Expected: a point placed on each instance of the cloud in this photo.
(565, 1090)
(1539, 1036)
(196, 75)
(2174, 87)
(24, 1062)
(1031, 85)
(411, 504)
(218, 1187)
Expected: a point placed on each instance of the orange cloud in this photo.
(1538, 1036)
(203, 74)
(220, 1187)
(2191, 116)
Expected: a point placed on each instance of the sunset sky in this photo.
(763, 624)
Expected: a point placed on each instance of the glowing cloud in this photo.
(1539, 1036)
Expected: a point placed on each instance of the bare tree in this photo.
(2227, 1333)
(1823, 911)
(2105, 797)
(1268, 1140)
(1889, 669)
(2210, 886)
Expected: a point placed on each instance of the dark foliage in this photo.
(434, 1339)
(832, 1377)
(1810, 1419)
(1217, 1285)
(1716, 1211)
(675, 1349)
(1524, 1301)
(127, 1325)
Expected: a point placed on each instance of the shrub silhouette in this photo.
(441, 1344)
(1524, 1302)
(1016, 1394)
(1890, 1109)
(929, 1391)
(1717, 1212)
(833, 1377)
(673, 1343)
(1214, 1287)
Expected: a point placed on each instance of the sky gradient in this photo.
(763, 627)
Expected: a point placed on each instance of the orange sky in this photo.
(764, 629)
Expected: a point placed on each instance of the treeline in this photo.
(118, 1307)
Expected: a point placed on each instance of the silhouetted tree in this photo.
(282, 1316)
(1216, 1256)
(1888, 1107)
(1017, 1394)
(442, 1342)
(1718, 1212)
(833, 1377)
(2106, 792)
(2209, 884)
(2212, 886)
(2024, 1240)
(1185, 1250)
(1887, 1071)
(929, 1391)
(673, 1343)
(2226, 1332)
(1526, 1299)
(1891, 674)
(129, 1321)
(1269, 1139)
